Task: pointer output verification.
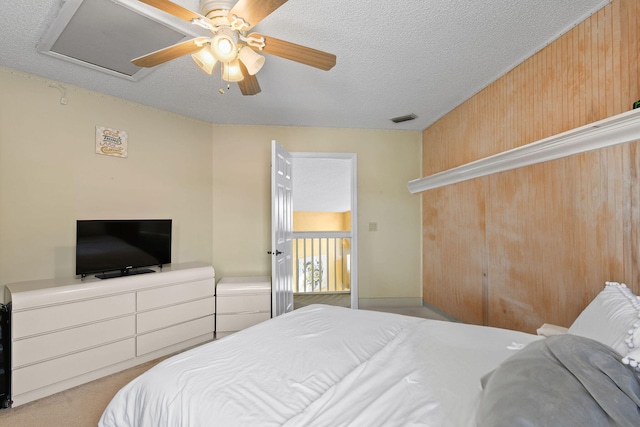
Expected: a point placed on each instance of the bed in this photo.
(331, 366)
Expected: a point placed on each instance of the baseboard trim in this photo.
(440, 312)
(389, 302)
(367, 303)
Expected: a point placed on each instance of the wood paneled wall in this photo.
(535, 245)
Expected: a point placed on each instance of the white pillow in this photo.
(633, 359)
(612, 318)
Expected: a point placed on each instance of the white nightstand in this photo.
(241, 302)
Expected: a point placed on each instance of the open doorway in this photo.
(325, 229)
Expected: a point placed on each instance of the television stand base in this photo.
(124, 273)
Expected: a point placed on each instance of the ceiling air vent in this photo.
(107, 35)
(406, 118)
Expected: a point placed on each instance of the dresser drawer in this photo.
(48, 319)
(55, 370)
(164, 317)
(237, 322)
(174, 334)
(42, 347)
(243, 303)
(175, 294)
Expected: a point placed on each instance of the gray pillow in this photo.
(563, 380)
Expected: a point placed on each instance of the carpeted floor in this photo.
(344, 300)
(341, 300)
(82, 406)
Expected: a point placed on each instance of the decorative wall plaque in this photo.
(111, 142)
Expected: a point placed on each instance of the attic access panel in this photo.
(107, 35)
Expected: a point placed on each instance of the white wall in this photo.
(50, 175)
(212, 180)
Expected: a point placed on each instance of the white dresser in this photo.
(242, 302)
(65, 332)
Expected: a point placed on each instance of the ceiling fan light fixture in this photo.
(231, 71)
(204, 59)
(229, 21)
(251, 59)
(223, 45)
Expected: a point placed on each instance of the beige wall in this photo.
(212, 180)
(50, 175)
(389, 259)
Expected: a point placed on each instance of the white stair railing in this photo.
(321, 262)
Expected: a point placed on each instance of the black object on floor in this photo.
(5, 355)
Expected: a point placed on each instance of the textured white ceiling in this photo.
(321, 185)
(394, 58)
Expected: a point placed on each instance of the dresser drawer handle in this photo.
(242, 312)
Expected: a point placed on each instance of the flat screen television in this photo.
(114, 248)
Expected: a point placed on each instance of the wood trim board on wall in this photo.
(614, 130)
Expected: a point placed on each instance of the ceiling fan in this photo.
(231, 45)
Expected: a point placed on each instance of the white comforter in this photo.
(322, 366)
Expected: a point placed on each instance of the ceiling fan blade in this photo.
(249, 85)
(254, 11)
(295, 52)
(173, 9)
(172, 52)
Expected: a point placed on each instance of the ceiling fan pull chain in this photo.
(221, 84)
